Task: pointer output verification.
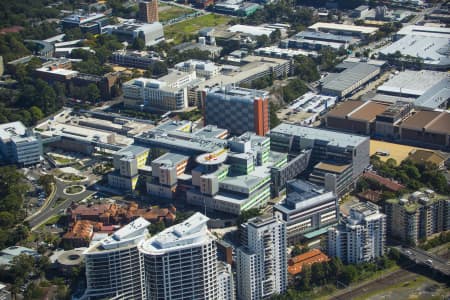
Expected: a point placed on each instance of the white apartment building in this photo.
(261, 261)
(360, 237)
(181, 262)
(225, 280)
(166, 93)
(114, 266)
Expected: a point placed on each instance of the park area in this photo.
(168, 12)
(179, 31)
(395, 151)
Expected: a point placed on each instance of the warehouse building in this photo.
(344, 29)
(348, 81)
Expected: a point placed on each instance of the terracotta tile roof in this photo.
(314, 256)
(83, 229)
(386, 182)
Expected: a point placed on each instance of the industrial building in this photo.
(417, 216)
(427, 128)
(316, 40)
(428, 44)
(308, 211)
(355, 116)
(151, 33)
(238, 110)
(261, 264)
(344, 29)
(19, 145)
(348, 81)
(359, 237)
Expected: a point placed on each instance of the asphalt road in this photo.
(422, 257)
(52, 209)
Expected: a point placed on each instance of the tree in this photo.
(93, 93)
(248, 214)
(306, 278)
(138, 44)
(275, 36)
(156, 227)
(36, 114)
(349, 274)
(273, 118)
(318, 273)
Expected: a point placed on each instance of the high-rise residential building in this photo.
(261, 260)
(307, 210)
(417, 216)
(148, 11)
(360, 237)
(225, 283)
(181, 262)
(18, 145)
(114, 265)
(237, 109)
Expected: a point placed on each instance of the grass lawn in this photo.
(172, 12)
(192, 26)
(74, 189)
(62, 160)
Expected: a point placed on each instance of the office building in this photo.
(346, 82)
(150, 33)
(127, 162)
(163, 94)
(415, 217)
(114, 265)
(135, 59)
(261, 265)
(91, 23)
(19, 145)
(308, 211)
(238, 110)
(148, 11)
(181, 262)
(332, 148)
(359, 237)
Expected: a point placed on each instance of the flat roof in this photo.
(349, 76)
(368, 111)
(435, 96)
(9, 130)
(335, 138)
(343, 27)
(414, 83)
(396, 151)
(427, 31)
(331, 167)
(433, 50)
(232, 93)
(172, 158)
(252, 30)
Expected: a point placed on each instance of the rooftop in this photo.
(349, 76)
(128, 235)
(332, 137)
(251, 30)
(386, 182)
(433, 50)
(313, 256)
(232, 93)
(171, 159)
(422, 119)
(413, 83)
(189, 233)
(425, 31)
(9, 130)
(319, 26)
(435, 96)
(333, 168)
(423, 156)
(358, 110)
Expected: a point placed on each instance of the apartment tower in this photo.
(261, 260)
(181, 262)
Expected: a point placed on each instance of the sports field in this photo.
(396, 151)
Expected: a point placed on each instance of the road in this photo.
(422, 257)
(51, 208)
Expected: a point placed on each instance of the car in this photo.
(429, 262)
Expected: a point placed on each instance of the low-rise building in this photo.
(313, 256)
(344, 29)
(19, 145)
(316, 40)
(135, 59)
(307, 209)
(415, 217)
(205, 69)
